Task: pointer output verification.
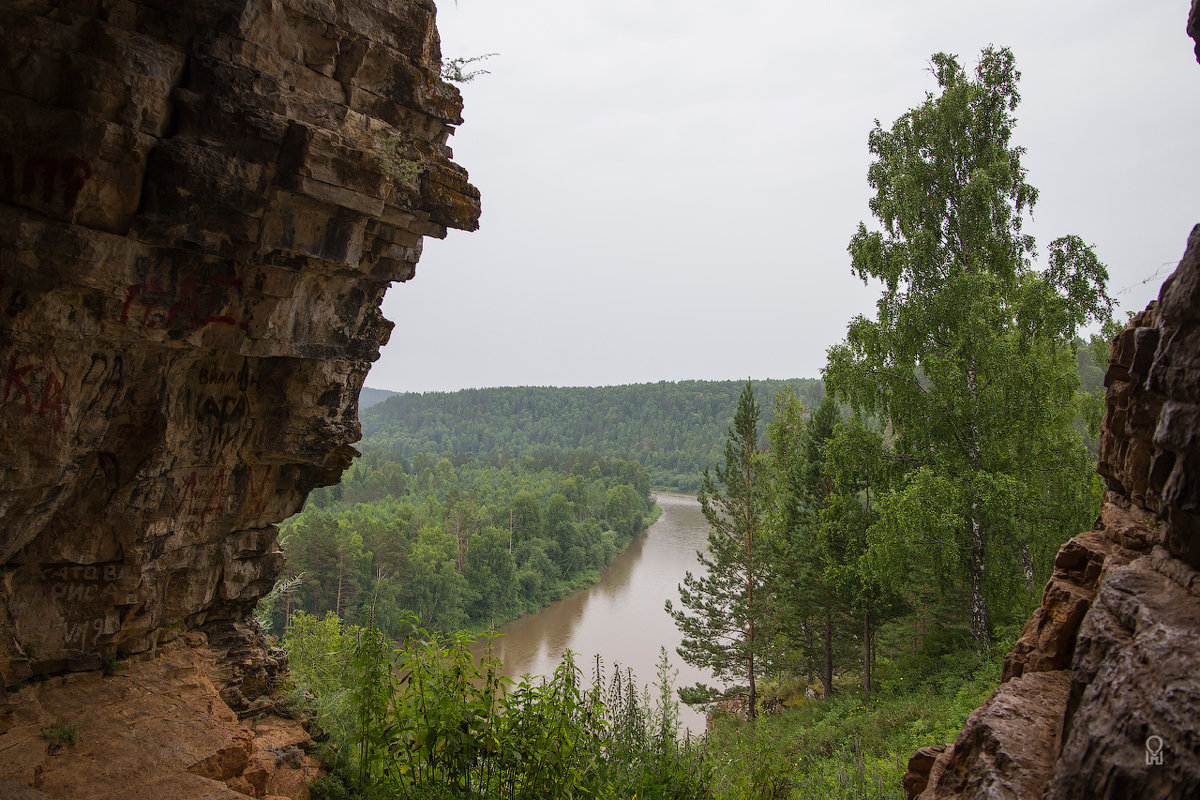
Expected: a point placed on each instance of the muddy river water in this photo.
(622, 616)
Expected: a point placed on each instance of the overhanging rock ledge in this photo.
(201, 206)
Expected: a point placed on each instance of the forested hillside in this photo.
(466, 544)
(368, 397)
(674, 430)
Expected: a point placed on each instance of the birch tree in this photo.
(970, 357)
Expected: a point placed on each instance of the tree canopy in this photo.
(970, 359)
(673, 429)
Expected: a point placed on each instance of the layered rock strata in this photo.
(1100, 696)
(201, 206)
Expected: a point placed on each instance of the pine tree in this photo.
(803, 602)
(719, 614)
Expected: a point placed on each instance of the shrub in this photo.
(421, 719)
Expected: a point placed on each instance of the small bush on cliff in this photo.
(456, 70)
(61, 734)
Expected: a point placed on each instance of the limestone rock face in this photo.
(999, 753)
(201, 206)
(1100, 695)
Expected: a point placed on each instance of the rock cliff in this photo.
(1100, 697)
(201, 206)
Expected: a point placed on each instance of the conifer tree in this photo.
(804, 602)
(719, 614)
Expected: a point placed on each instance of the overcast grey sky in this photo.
(669, 186)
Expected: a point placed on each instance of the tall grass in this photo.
(841, 747)
(421, 719)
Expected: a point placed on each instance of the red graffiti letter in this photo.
(131, 294)
(15, 377)
(75, 173)
(189, 489)
(50, 394)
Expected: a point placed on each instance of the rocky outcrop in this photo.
(150, 727)
(1193, 27)
(1099, 697)
(201, 206)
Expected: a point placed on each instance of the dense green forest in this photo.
(463, 544)
(674, 430)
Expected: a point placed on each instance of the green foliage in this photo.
(804, 610)
(970, 359)
(843, 748)
(422, 719)
(455, 70)
(268, 605)
(718, 610)
(919, 526)
(674, 430)
(60, 734)
(459, 543)
(392, 152)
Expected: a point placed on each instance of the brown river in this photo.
(622, 616)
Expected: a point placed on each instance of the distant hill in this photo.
(369, 397)
(674, 430)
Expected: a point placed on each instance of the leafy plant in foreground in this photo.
(421, 718)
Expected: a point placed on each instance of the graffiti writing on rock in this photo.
(205, 496)
(223, 416)
(44, 178)
(202, 496)
(189, 305)
(84, 633)
(32, 390)
(227, 378)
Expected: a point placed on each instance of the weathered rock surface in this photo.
(999, 754)
(201, 206)
(155, 727)
(1108, 662)
(919, 766)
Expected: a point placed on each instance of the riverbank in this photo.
(579, 582)
(621, 618)
(462, 545)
